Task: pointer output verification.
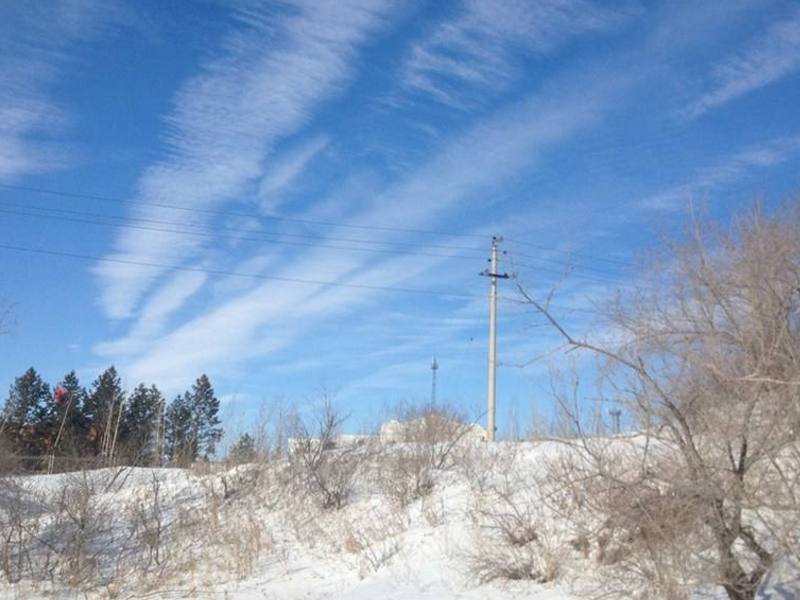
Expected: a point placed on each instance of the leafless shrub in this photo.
(106, 530)
(148, 521)
(704, 359)
(778, 495)
(434, 510)
(374, 536)
(514, 538)
(19, 520)
(271, 429)
(483, 464)
(230, 539)
(66, 536)
(79, 533)
(9, 462)
(427, 441)
(325, 464)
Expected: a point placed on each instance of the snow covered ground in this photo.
(249, 533)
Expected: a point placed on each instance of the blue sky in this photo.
(341, 153)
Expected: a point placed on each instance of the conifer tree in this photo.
(67, 411)
(140, 424)
(180, 445)
(24, 413)
(101, 410)
(205, 420)
(192, 424)
(244, 450)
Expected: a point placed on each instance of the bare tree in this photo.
(515, 537)
(704, 356)
(427, 442)
(325, 465)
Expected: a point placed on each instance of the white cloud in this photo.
(272, 315)
(227, 119)
(37, 41)
(237, 397)
(150, 324)
(477, 49)
(286, 170)
(735, 168)
(772, 56)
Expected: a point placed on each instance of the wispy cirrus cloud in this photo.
(452, 185)
(735, 168)
(286, 171)
(772, 56)
(37, 42)
(479, 50)
(165, 301)
(273, 70)
(261, 321)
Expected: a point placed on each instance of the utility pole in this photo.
(158, 438)
(52, 461)
(106, 445)
(434, 368)
(116, 433)
(493, 276)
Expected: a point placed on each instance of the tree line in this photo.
(107, 424)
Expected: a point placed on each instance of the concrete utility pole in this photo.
(493, 275)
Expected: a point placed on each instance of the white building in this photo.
(430, 429)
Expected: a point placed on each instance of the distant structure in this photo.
(434, 368)
(616, 413)
(424, 430)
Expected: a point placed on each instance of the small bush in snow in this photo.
(514, 539)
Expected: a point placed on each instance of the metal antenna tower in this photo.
(616, 413)
(434, 368)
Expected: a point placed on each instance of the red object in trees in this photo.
(60, 393)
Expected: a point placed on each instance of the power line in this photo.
(253, 215)
(237, 237)
(274, 238)
(577, 275)
(566, 263)
(258, 276)
(228, 213)
(570, 253)
(559, 307)
(234, 229)
(226, 273)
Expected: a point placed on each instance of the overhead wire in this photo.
(570, 265)
(260, 276)
(237, 230)
(273, 238)
(297, 220)
(230, 213)
(569, 252)
(238, 237)
(568, 274)
(228, 273)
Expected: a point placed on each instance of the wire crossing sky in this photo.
(290, 195)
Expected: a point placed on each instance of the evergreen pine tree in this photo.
(70, 406)
(25, 412)
(206, 430)
(244, 450)
(101, 410)
(179, 443)
(140, 424)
